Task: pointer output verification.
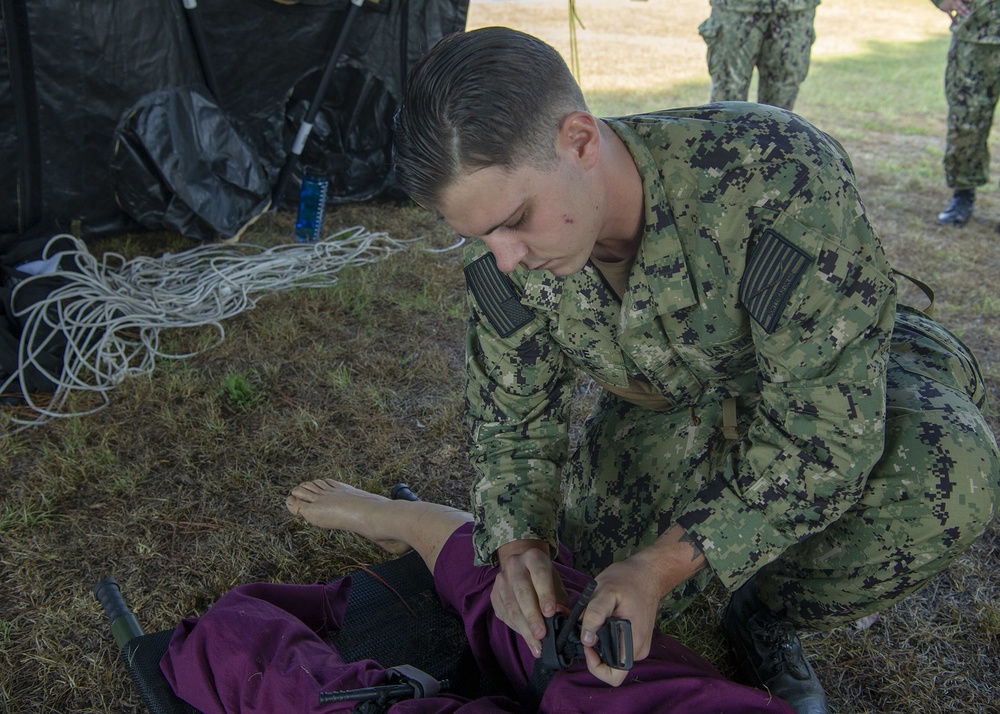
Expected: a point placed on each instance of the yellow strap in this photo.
(729, 419)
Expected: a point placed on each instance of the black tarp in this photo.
(72, 75)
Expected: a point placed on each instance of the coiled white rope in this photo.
(111, 311)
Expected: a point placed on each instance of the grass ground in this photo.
(176, 488)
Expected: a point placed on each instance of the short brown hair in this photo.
(490, 97)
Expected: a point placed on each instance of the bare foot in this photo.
(332, 505)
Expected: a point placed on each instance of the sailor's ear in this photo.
(579, 138)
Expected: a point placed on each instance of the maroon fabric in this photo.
(262, 649)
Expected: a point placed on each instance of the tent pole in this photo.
(305, 128)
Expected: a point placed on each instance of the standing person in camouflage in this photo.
(775, 36)
(971, 86)
(769, 419)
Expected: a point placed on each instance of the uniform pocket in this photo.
(709, 30)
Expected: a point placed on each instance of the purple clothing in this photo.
(262, 648)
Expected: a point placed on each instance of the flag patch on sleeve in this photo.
(496, 297)
(773, 272)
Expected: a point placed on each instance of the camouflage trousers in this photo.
(932, 494)
(778, 44)
(971, 86)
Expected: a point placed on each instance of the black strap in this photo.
(557, 629)
(541, 676)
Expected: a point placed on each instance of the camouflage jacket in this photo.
(758, 272)
(765, 5)
(982, 25)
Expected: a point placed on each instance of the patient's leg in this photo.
(397, 526)
(671, 673)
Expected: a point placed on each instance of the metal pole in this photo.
(292, 160)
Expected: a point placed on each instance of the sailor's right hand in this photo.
(527, 590)
(955, 9)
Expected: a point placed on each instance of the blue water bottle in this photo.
(312, 203)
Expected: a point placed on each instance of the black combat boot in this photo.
(959, 211)
(769, 652)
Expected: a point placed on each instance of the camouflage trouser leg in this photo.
(933, 493)
(784, 57)
(778, 44)
(972, 85)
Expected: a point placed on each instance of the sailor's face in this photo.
(539, 218)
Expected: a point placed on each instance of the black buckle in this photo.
(552, 657)
(424, 685)
(561, 645)
(614, 643)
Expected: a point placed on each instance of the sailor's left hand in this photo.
(631, 589)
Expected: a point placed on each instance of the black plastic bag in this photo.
(181, 164)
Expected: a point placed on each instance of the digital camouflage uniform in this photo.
(775, 36)
(972, 86)
(761, 309)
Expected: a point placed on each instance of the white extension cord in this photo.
(112, 310)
